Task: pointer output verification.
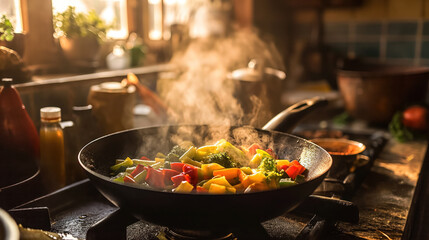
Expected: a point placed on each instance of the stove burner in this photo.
(170, 234)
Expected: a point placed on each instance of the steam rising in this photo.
(202, 94)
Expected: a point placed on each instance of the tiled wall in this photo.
(394, 31)
(396, 41)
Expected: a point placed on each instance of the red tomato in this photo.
(415, 117)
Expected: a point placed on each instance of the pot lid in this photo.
(256, 72)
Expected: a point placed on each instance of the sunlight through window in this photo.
(12, 10)
(113, 12)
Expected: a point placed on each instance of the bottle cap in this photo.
(50, 112)
(7, 81)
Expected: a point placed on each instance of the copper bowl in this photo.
(374, 92)
(345, 154)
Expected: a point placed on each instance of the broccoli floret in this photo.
(221, 158)
(269, 167)
(175, 153)
(236, 154)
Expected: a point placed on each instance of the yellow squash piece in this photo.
(254, 178)
(257, 158)
(184, 187)
(208, 149)
(282, 163)
(219, 181)
(256, 187)
(231, 190)
(190, 153)
(189, 161)
(235, 153)
(217, 189)
(207, 169)
(246, 170)
(126, 163)
(255, 161)
(239, 187)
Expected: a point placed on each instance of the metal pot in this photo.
(258, 89)
(81, 51)
(374, 92)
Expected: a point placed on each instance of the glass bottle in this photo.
(52, 158)
(19, 140)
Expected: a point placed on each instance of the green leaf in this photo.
(398, 130)
(6, 29)
(9, 37)
(72, 24)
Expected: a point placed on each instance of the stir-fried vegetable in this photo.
(221, 158)
(221, 168)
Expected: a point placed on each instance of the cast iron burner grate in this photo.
(80, 210)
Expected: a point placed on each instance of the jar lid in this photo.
(50, 112)
(112, 86)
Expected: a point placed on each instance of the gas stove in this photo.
(79, 210)
(332, 211)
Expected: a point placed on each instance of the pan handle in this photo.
(289, 118)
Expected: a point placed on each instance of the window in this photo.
(113, 12)
(200, 17)
(12, 9)
(162, 14)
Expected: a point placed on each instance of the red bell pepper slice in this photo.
(178, 166)
(283, 167)
(139, 168)
(271, 152)
(292, 171)
(144, 158)
(168, 174)
(252, 149)
(192, 172)
(202, 190)
(129, 179)
(301, 168)
(155, 178)
(180, 178)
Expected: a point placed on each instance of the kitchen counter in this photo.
(385, 197)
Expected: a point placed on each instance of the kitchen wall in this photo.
(313, 37)
(388, 30)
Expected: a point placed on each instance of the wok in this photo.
(205, 211)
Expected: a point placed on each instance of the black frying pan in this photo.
(205, 211)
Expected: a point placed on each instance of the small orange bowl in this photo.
(344, 154)
(340, 146)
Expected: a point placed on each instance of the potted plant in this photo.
(9, 38)
(79, 35)
(6, 29)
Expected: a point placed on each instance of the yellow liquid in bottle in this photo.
(52, 164)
